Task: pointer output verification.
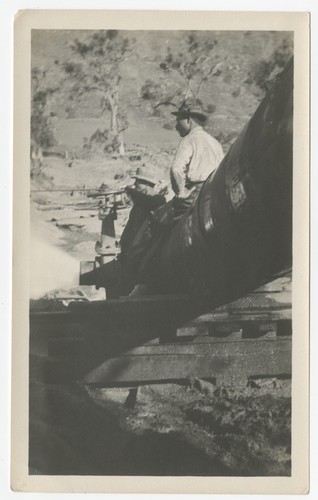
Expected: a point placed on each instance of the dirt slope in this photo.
(173, 430)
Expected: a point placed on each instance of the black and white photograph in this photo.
(161, 195)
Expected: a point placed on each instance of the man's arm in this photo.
(147, 201)
(178, 172)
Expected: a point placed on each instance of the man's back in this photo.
(198, 155)
(206, 157)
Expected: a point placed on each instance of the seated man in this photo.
(145, 199)
(136, 236)
(198, 155)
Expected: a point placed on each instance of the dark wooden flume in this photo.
(239, 234)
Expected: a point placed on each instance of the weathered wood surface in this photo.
(228, 363)
(131, 342)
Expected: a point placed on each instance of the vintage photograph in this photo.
(161, 202)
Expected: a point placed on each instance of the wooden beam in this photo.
(228, 363)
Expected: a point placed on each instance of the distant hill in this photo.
(232, 94)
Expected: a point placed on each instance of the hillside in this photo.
(232, 93)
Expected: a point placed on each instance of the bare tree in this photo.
(42, 129)
(184, 72)
(96, 68)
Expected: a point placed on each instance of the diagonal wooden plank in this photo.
(227, 363)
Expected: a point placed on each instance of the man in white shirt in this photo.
(198, 155)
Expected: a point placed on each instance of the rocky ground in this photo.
(194, 429)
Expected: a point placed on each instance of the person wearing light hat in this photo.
(145, 199)
(198, 155)
(142, 179)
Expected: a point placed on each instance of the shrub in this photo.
(168, 126)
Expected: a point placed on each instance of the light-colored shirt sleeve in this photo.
(178, 172)
(198, 155)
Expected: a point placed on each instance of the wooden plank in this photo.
(205, 346)
(228, 364)
(244, 315)
(249, 328)
(195, 343)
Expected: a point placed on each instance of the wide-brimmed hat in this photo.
(188, 109)
(143, 175)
